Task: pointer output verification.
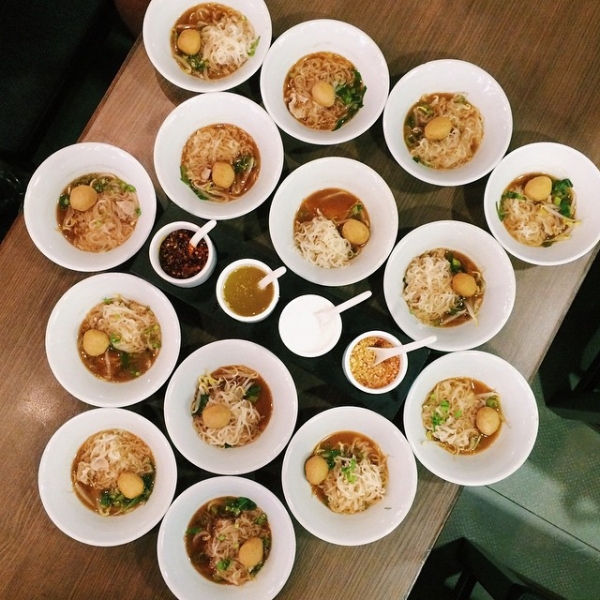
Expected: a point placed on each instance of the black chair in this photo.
(473, 566)
(570, 372)
(498, 581)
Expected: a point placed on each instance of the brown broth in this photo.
(242, 294)
(205, 520)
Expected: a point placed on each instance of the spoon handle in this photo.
(349, 303)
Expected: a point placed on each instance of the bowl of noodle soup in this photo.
(180, 573)
(223, 129)
(139, 327)
(419, 282)
(315, 248)
(232, 40)
(473, 115)
(56, 479)
(247, 383)
(331, 52)
(537, 227)
(103, 235)
(481, 371)
(378, 490)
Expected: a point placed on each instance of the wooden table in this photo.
(545, 55)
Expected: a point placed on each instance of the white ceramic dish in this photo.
(51, 178)
(354, 177)
(561, 162)
(352, 378)
(68, 513)
(188, 584)
(485, 252)
(61, 340)
(154, 255)
(180, 393)
(230, 268)
(480, 88)
(161, 15)
(515, 438)
(379, 519)
(210, 109)
(325, 35)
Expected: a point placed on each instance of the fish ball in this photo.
(316, 469)
(464, 285)
(95, 342)
(130, 484)
(438, 128)
(189, 41)
(487, 420)
(216, 416)
(251, 552)
(538, 188)
(223, 175)
(83, 197)
(356, 232)
(323, 94)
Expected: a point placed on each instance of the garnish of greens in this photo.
(185, 178)
(236, 505)
(116, 500)
(352, 95)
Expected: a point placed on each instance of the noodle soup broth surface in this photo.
(323, 91)
(331, 227)
(450, 415)
(217, 535)
(443, 130)
(246, 405)
(538, 209)
(132, 336)
(104, 467)
(211, 41)
(356, 476)
(106, 220)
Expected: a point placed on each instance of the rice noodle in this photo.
(358, 477)
(109, 223)
(459, 146)
(228, 386)
(429, 294)
(320, 242)
(227, 41)
(449, 414)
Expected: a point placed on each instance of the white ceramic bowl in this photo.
(325, 35)
(61, 340)
(180, 393)
(561, 162)
(210, 109)
(515, 439)
(51, 178)
(68, 513)
(178, 572)
(161, 15)
(350, 375)
(378, 520)
(236, 264)
(354, 177)
(480, 88)
(485, 252)
(154, 254)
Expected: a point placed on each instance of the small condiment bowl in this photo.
(304, 331)
(227, 289)
(154, 253)
(360, 371)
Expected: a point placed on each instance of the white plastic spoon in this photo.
(208, 226)
(382, 354)
(270, 277)
(327, 313)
